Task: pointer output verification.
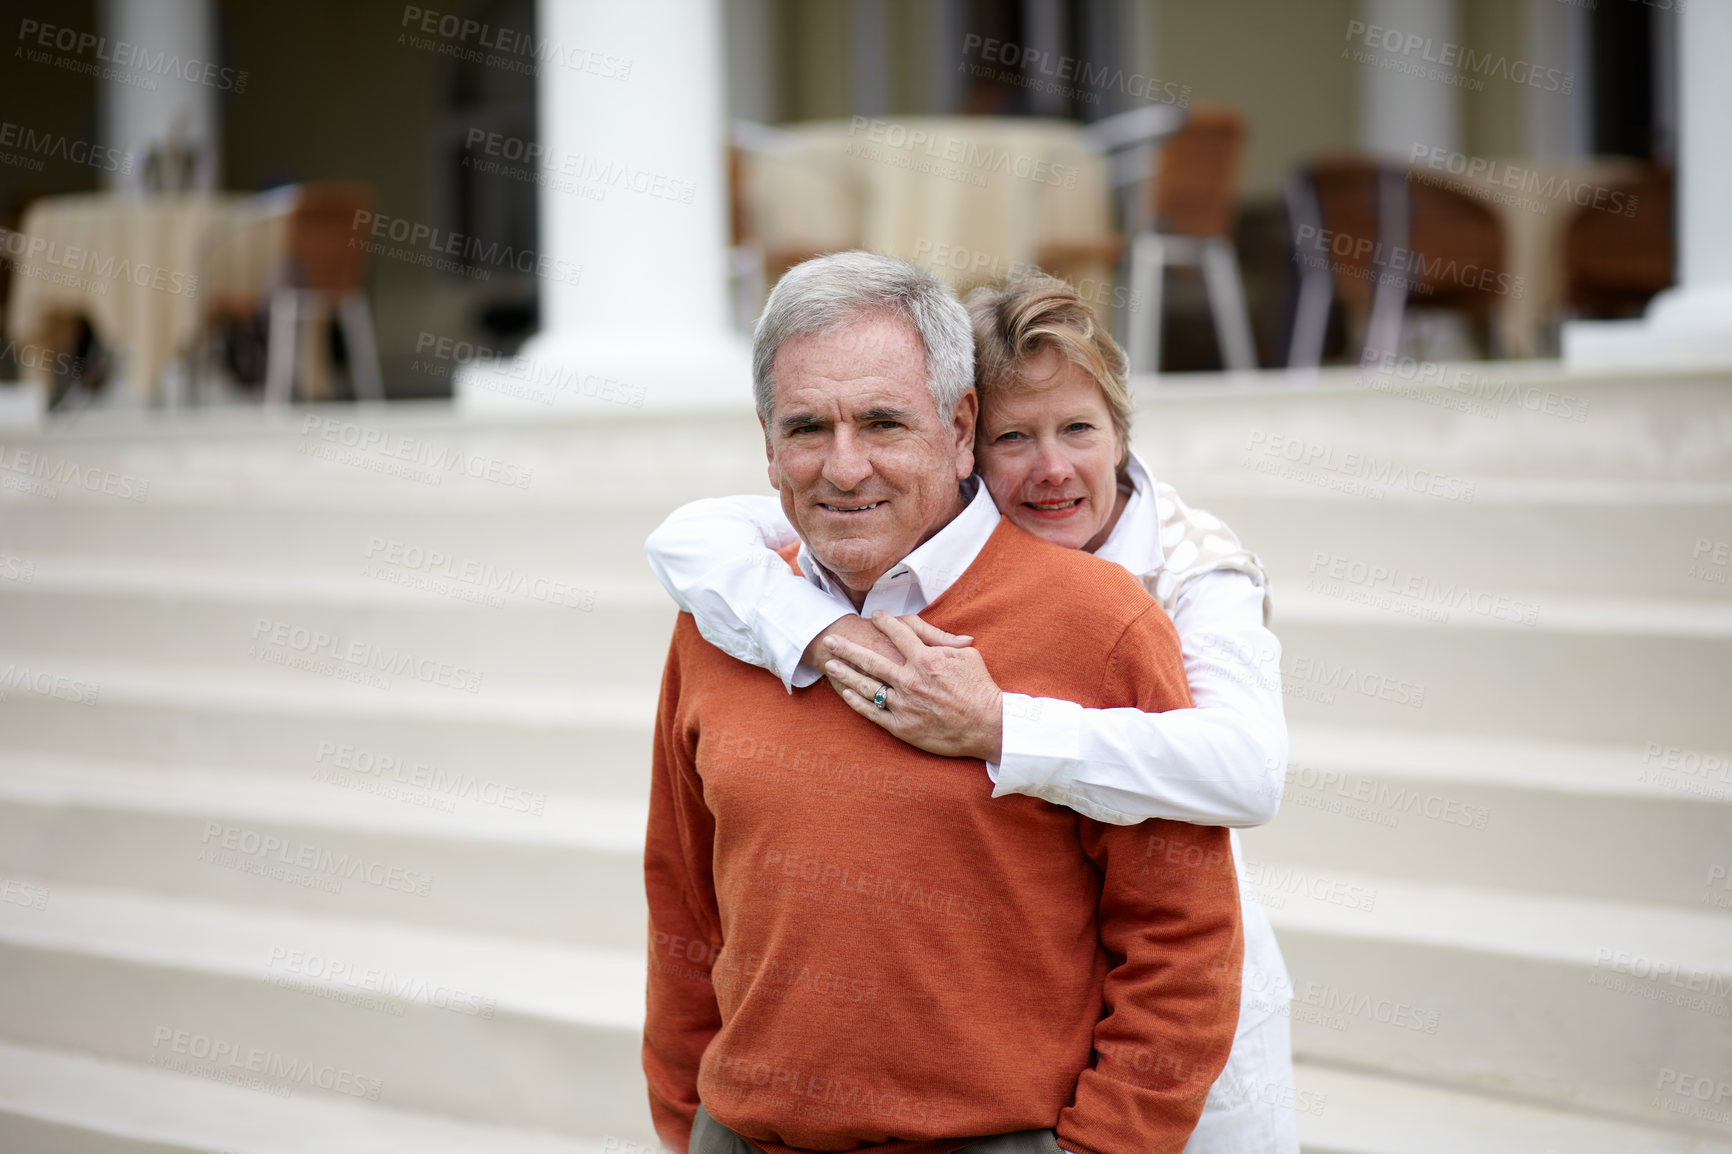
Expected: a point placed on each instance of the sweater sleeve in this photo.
(1169, 923)
(681, 1014)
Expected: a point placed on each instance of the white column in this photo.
(870, 55)
(1043, 32)
(751, 74)
(647, 320)
(1690, 324)
(1558, 125)
(176, 116)
(945, 21)
(1398, 110)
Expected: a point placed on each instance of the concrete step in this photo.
(528, 865)
(291, 534)
(1582, 820)
(457, 633)
(1614, 1008)
(1671, 541)
(1352, 1112)
(54, 1101)
(59, 1102)
(590, 737)
(1614, 670)
(431, 456)
(492, 1030)
(1672, 427)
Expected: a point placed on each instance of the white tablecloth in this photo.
(141, 269)
(970, 197)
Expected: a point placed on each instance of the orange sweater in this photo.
(853, 943)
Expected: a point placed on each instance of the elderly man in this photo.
(853, 944)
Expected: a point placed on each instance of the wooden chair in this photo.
(1195, 205)
(1458, 260)
(1615, 263)
(1129, 142)
(1366, 234)
(324, 266)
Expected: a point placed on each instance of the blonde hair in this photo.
(1021, 317)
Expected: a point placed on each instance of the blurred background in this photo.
(1541, 152)
(350, 350)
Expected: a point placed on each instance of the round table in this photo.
(971, 198)
(143, 270)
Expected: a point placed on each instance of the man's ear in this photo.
(962, 425)
(770, 457)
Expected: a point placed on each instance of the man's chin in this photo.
(849, 556)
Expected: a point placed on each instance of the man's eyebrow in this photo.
(798, 420)
(884, 413)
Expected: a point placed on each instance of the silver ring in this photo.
(879, 698)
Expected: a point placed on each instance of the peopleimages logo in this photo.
(281, 642)
(449, 251)
(1532, 182)
(1068, 76)
(57, 471)
(462, 38)
(968, 156)
(40, 257)
(1455, 61)
(54, 146)
(1396, 264)
(1359, 472)
(235, 1060)
(581, 167)
(1418, 587)
(1462, 389)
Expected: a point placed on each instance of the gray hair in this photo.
(828, 292)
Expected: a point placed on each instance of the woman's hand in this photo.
(940, 698)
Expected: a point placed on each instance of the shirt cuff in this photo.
(790, 629)
(1042, 735)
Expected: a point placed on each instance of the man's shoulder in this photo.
(1038, 590)
(1057, 622)
(695, 654)
(1065, 574)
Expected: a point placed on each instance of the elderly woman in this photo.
(1053, 449)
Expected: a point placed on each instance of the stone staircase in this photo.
(324, 745)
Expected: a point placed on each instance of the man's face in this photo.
(866, 467)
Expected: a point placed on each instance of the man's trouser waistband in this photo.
(711, 1137)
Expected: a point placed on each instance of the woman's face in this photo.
(1049, 454)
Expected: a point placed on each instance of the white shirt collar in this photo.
(1135, 542)
(922, 577)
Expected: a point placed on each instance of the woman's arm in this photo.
(1221, 763)
(717, 559)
